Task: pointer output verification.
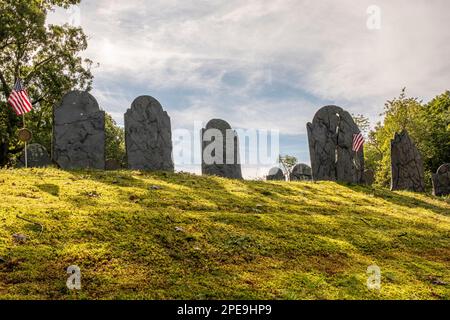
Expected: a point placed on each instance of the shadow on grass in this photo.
(396, 198)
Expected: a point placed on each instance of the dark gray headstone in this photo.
(330, 138)
(301, 172)
(441, 180)
(275, 174)
(220, 150)
(79, 132)
(369, 177)
(406, 164)
(112, 164)
(37, 157)
(148, 136)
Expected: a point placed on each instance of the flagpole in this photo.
(26, 153)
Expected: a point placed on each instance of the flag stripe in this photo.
(19, 100)
(358, 142)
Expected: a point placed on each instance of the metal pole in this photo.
(26, 152)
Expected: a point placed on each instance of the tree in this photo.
(48, 60)
(362, 122)
(288, 163)
(427, 124)
(114, 141)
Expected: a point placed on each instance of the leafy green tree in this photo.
(46, 57)
(288, 163)
(115, 141)
(427, 124)
(362, 122)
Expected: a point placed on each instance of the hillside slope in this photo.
(178, 236)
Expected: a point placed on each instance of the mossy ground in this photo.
(212, 238)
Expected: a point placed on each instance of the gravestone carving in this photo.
(37, 157)
(79, 132)
(148, 136)
(441, 180)
(275, 174)
(220, 150)
(406, 164)
(330, 138)
(301, 172)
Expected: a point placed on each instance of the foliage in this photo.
(114, 140)
(46, 57)
(288, 163)
(200, 237)
(362, 122)
(428, 126)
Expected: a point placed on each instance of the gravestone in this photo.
(369, 177)
(301, 172)
(79, 132)
(441, 180)
(406, 164)
(220, 150)
(37, 157)
(275, 174)
(112, 164)
(148, 136)
(330, 138)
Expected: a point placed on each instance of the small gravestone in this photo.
(37, 157)
(301, 172)
(406, 164)
(220, 150)
(148, 136)
(112, 164)
(441, 181)
(369, 177)
(330, 138)
(79, 132)
(275, 174)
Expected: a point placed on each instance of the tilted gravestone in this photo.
(37, 157)
(148, 136)
(79, 132)
(369, 177)
(330, 138)
(441, 180)
(406, 164)
(275, 174)
(220, 150)
(301, 172)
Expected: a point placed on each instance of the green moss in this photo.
(139, 235)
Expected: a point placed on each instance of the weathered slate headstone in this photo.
(112, 164)
(220, 150)
(441, 180)
(406, 164)
(369, 177)
(330, 138)
(148, 136)
(275, 174)
(79, 132)
(301, 172)
(37, 157)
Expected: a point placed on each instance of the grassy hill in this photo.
(179, 236)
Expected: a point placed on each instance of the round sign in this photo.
(25, 135)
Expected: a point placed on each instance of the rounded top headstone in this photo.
(218, 124)
(147, 101)
(443, 169)
(76, 104)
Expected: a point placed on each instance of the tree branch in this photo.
(6, 89)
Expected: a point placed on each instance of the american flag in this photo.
(19, 100)
(358, 142)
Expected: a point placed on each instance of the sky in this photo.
(267, 65)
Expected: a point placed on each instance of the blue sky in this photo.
(263, 64)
